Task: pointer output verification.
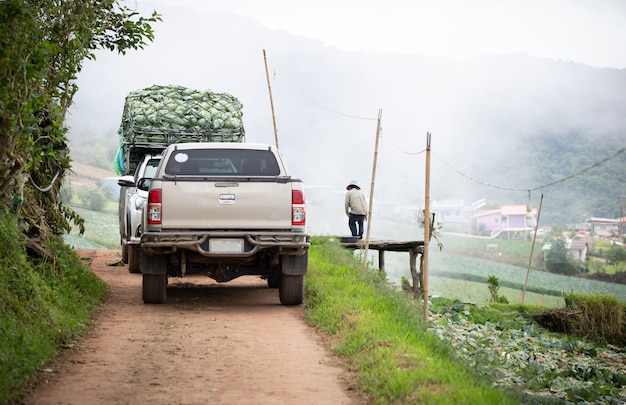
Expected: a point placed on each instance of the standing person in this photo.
(356, 209)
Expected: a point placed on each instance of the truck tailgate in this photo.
(227, 205)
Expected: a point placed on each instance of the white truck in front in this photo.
(224, 210)
(130, 208)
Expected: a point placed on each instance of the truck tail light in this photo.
(298, 209)
(154, 207)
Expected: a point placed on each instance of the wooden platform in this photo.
(413, 247)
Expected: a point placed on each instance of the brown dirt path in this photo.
(230, 343)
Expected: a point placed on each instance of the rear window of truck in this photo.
(227, 162)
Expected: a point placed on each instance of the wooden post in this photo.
(269, 88)
(427, 226)
(532, 248)
(371, 203)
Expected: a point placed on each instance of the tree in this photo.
(558, 260)
(43, 44)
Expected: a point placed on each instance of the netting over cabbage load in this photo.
(157, 116)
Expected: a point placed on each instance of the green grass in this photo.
(43, 307)
(379, 332)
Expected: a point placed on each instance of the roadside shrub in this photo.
(44, 305)
(599, 318)
(615, 255)
(494, 287)
(95, 197)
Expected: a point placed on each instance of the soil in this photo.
(228, 343)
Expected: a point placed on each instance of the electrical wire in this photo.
(317, 103)
(561, 180)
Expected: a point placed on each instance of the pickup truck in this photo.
(224, 210)
(152, 119)
(132, 200)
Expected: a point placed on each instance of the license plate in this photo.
(226, 245)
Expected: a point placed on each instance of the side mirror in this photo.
(143, 183)
(126, 181)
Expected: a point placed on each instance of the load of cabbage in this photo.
(160, 115)
(181, 108)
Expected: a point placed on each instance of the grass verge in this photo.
(379, 332)
(44, 306)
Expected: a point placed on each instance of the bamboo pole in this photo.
(371, 203)
(269, 88)
(427, 226)
(532, 248)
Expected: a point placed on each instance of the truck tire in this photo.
(273, 281)
(124, 251)
(133, 254)
(153, 289)
(291, 290)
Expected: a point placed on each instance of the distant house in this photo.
(454, 215)
(487, 221)
(604, 227)
(506, 222)
(576, 248)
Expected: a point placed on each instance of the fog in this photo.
(479, 111)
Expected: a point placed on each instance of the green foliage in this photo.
(380, 333)
(557, 260)
(45, 306)
(505, 345)
(600, 318)
(557, 151)
(44, 44)
(95, 197)
(493, 285)
(615, 255)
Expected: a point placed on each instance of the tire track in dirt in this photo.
(230, 343)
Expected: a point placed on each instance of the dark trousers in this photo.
(355, 222)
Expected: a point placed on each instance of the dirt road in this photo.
(230, 343)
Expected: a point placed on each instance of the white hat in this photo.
(353, 184)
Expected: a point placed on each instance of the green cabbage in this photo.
(180, 108)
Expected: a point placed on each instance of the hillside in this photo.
(503, 128)
(83, 173)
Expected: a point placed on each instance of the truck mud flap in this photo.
(294, 265)
(152, 264)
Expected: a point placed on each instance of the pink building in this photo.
(508, 221)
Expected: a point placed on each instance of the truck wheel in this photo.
(124, 251)
(133, 259)
(273, 281)
(154, 288)
(291, 290)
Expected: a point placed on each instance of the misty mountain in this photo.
(502, 126)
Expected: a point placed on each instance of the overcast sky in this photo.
(590, 32)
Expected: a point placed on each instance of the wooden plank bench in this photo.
(414, 248)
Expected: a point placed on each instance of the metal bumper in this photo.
(287, 243)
